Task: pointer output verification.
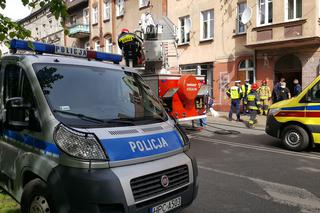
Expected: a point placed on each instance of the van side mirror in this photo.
(17, 114)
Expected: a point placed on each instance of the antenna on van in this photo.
(90, 162)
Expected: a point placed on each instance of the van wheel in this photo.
(36, 198)
(295, 138)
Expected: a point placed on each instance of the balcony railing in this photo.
(79, 31)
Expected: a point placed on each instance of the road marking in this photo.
(280, 193)
(309, 169)
(258, 148)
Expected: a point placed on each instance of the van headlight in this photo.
(78, 144)
(273, 111)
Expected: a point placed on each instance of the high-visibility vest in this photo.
(264, 92)
(245, 90)
(235, 92)
(253, 101)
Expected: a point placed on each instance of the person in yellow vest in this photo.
(235, 94)
(253, 105)
(265, 95)
(246, 88)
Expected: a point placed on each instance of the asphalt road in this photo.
(251, 172)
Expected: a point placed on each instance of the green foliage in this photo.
(10, 29)
(7, 204)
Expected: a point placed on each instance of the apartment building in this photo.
(78, 23)
(212, 42)
(281, 39)
(43, 26)
(96, 24)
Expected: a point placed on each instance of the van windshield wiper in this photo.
(81, 116)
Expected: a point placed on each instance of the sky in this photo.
(15, 10)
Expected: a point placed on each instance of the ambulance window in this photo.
(315, 93)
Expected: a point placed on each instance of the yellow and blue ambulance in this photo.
(297, 121)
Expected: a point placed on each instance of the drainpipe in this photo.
(255, 65)
(113, 24)
(101, 7)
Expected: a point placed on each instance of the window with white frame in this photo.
(293, 9)
(119, 8)
(143, 3)
(185, 28)
(86, 16)
(207, 24)
(265, 14)
(95, 15)
(73, 20)
(107, 9)
(97, 45)
(241, 28)
(247, 67)
(109, 45)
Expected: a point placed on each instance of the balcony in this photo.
(74, 4)
(79, 31)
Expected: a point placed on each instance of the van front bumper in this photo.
(104, 191)
(273, 126)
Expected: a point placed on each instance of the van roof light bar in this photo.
(39, 47)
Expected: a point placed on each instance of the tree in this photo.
(10, 29)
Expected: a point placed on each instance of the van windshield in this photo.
(93, 96)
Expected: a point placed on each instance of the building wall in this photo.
(44, 27)
(130, 20)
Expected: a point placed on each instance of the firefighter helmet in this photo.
(264, 82)
(125, 30)
(254, 87)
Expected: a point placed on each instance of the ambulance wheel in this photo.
(295, 138)
(36, 198)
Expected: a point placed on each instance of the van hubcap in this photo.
(39, 205)
(293, 139)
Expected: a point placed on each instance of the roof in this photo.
(32, 15)
(34, 58)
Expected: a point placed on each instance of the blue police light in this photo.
(39, 47)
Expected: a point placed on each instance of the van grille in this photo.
(150, 185)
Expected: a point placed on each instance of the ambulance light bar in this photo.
(39, 47)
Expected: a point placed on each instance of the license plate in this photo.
(167, 206)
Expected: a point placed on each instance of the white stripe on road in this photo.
(258, 148)
(280, 193)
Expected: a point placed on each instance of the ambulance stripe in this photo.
(293, 108)
(290, 114)
(312, 114)
(311, 108)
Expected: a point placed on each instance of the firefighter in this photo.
(246, 87)
(264, 93)
(130, 44)
(253, 104)
(235, 94)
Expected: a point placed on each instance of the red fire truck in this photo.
(183, 96)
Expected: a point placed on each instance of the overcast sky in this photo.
(15, 10)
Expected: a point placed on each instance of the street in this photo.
(251, 172)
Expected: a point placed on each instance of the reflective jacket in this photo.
(264, 92)
(246, 89)
(253, 101)
(234, 92)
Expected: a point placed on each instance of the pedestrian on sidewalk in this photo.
(297, 88)
(264, 93)
(284, 92)
(254, 104)
(235, 94)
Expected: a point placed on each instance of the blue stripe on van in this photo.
(33, 142)
(310, 108)
(313, 107)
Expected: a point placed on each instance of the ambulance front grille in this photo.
(150, 185)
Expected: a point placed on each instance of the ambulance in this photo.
(297, 121)
(81, 133)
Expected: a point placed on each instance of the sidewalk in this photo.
(223, 119)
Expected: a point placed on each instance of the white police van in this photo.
(80, 135)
